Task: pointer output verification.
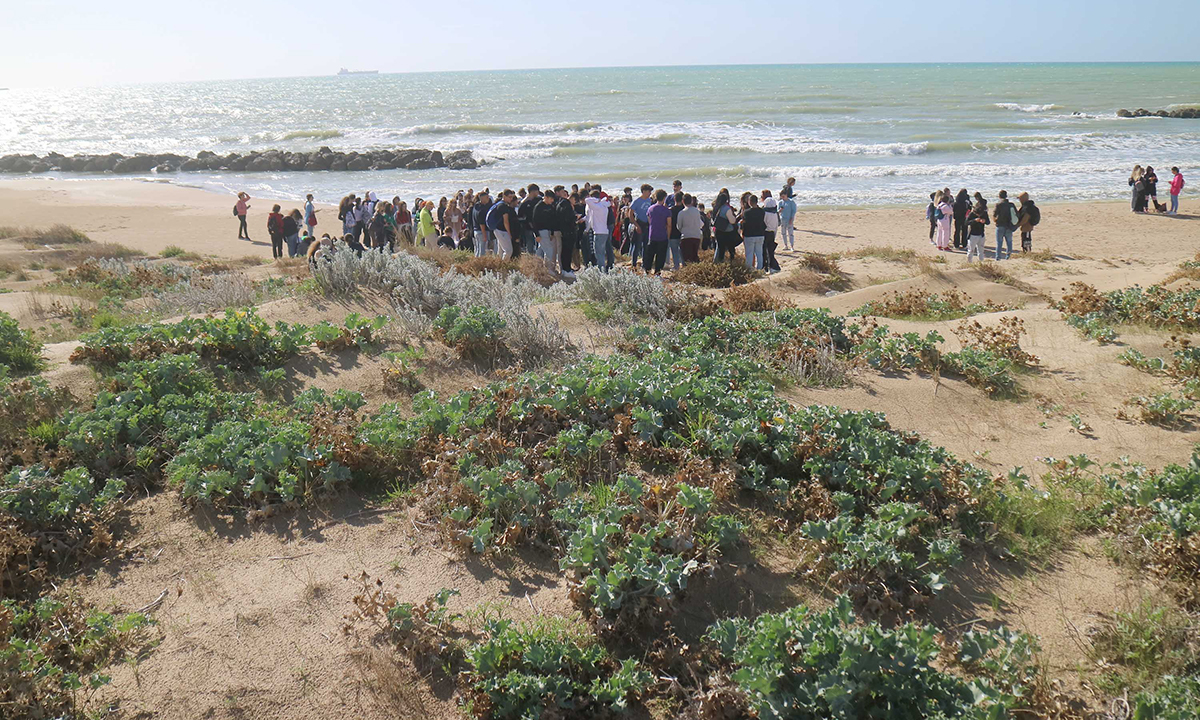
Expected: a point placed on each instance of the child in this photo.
(977, 220)
(787, 221)
(1176, 188)
(930, 213)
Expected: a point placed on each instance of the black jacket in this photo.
(566, 217)
(962, 205)
(544, 217)
(977, 220)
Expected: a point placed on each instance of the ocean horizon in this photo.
(852, 134)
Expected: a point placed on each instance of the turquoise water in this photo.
(851, 134)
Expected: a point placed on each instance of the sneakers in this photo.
(568, 275)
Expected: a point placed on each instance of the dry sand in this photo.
(251, 626)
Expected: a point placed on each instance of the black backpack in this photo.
(235, 210)
(1035, 215)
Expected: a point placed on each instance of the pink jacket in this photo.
(1177, 183)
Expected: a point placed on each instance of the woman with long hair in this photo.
(453, 219)
(1137, 188)
(724, 228)
(944, 232)
(404, 226)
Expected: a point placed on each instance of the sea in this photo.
(852, 135)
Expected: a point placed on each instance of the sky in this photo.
(86, 43)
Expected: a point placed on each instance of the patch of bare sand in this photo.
(252, 623)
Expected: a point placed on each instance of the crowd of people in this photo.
(957, 222)
(1143, 184)
(567, 228)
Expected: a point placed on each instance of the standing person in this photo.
(676, 194)
(545, 224)
(945, 212)
(1176, 188)
(754, 231)
(346, 214)
(691, 230)
(931, 216)
(565, 211)
(502, 221)
(529, 236)
(1007, 220)
(453, 220)
(659, 221)
(275, 231)
(597, 219)
(1151, 180)
(789, 189)
(240, 209)
(977, 221)
(674, 243)
(640, 207)
(382, 235)
(1027, 217)
(962, 206)
(362, 215)
(404, 224)
(310, 213)
(427, 234)
(787, 222)
(1137, 188)
(443, 204)
(771, 208)
(584, 239)
(291, 232)
(479, 214)
(724, 228)
(706, 241)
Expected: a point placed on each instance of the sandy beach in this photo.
(149, 216)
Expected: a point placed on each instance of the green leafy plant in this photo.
(475, 332)
(1167, 409)
(20, 353)
(357, 331)
(401, 374)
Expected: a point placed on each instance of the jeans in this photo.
(975, 248)
(637, 244)
(1174, 204)
(293, 243)
(531, 241)
(481, 242)
(603, 251)
(787, 234)
(676, 253)
(656, 256)
(550, 245)
(504, 246)
(243, 232)
(1003, 235)
(276, 246)
(754, 252)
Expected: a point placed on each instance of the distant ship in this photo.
(344, 71)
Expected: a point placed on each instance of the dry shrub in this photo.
(1188, 270)
(57, 234)
(100, 251)
(1004, 340)
(534, 268)
(752, 298)
(1082, 299)
(1044, 255)
(824, 264)
(443, 258)
(477, 266)
(707, 273)
(804, 280)
(922, 304)
(884, 252)
(686, 303)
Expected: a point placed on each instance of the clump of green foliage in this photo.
(20, 353)
(474, 332)
(241, 339)
(920, 304)
(804, 664)
(356, 331)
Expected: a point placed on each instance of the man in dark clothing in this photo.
(567, 226)
(524, 228)
(1005, 215)
(479, 222)
(675, 202)
(962, 206)
(545, 224)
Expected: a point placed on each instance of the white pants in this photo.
(503, 244)
(975, 247)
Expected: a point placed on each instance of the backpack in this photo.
(235, 210)
(1013, 219)
(275, 224)
(721, 219)
(938, 214)
(1035, 215)
(495, 216)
